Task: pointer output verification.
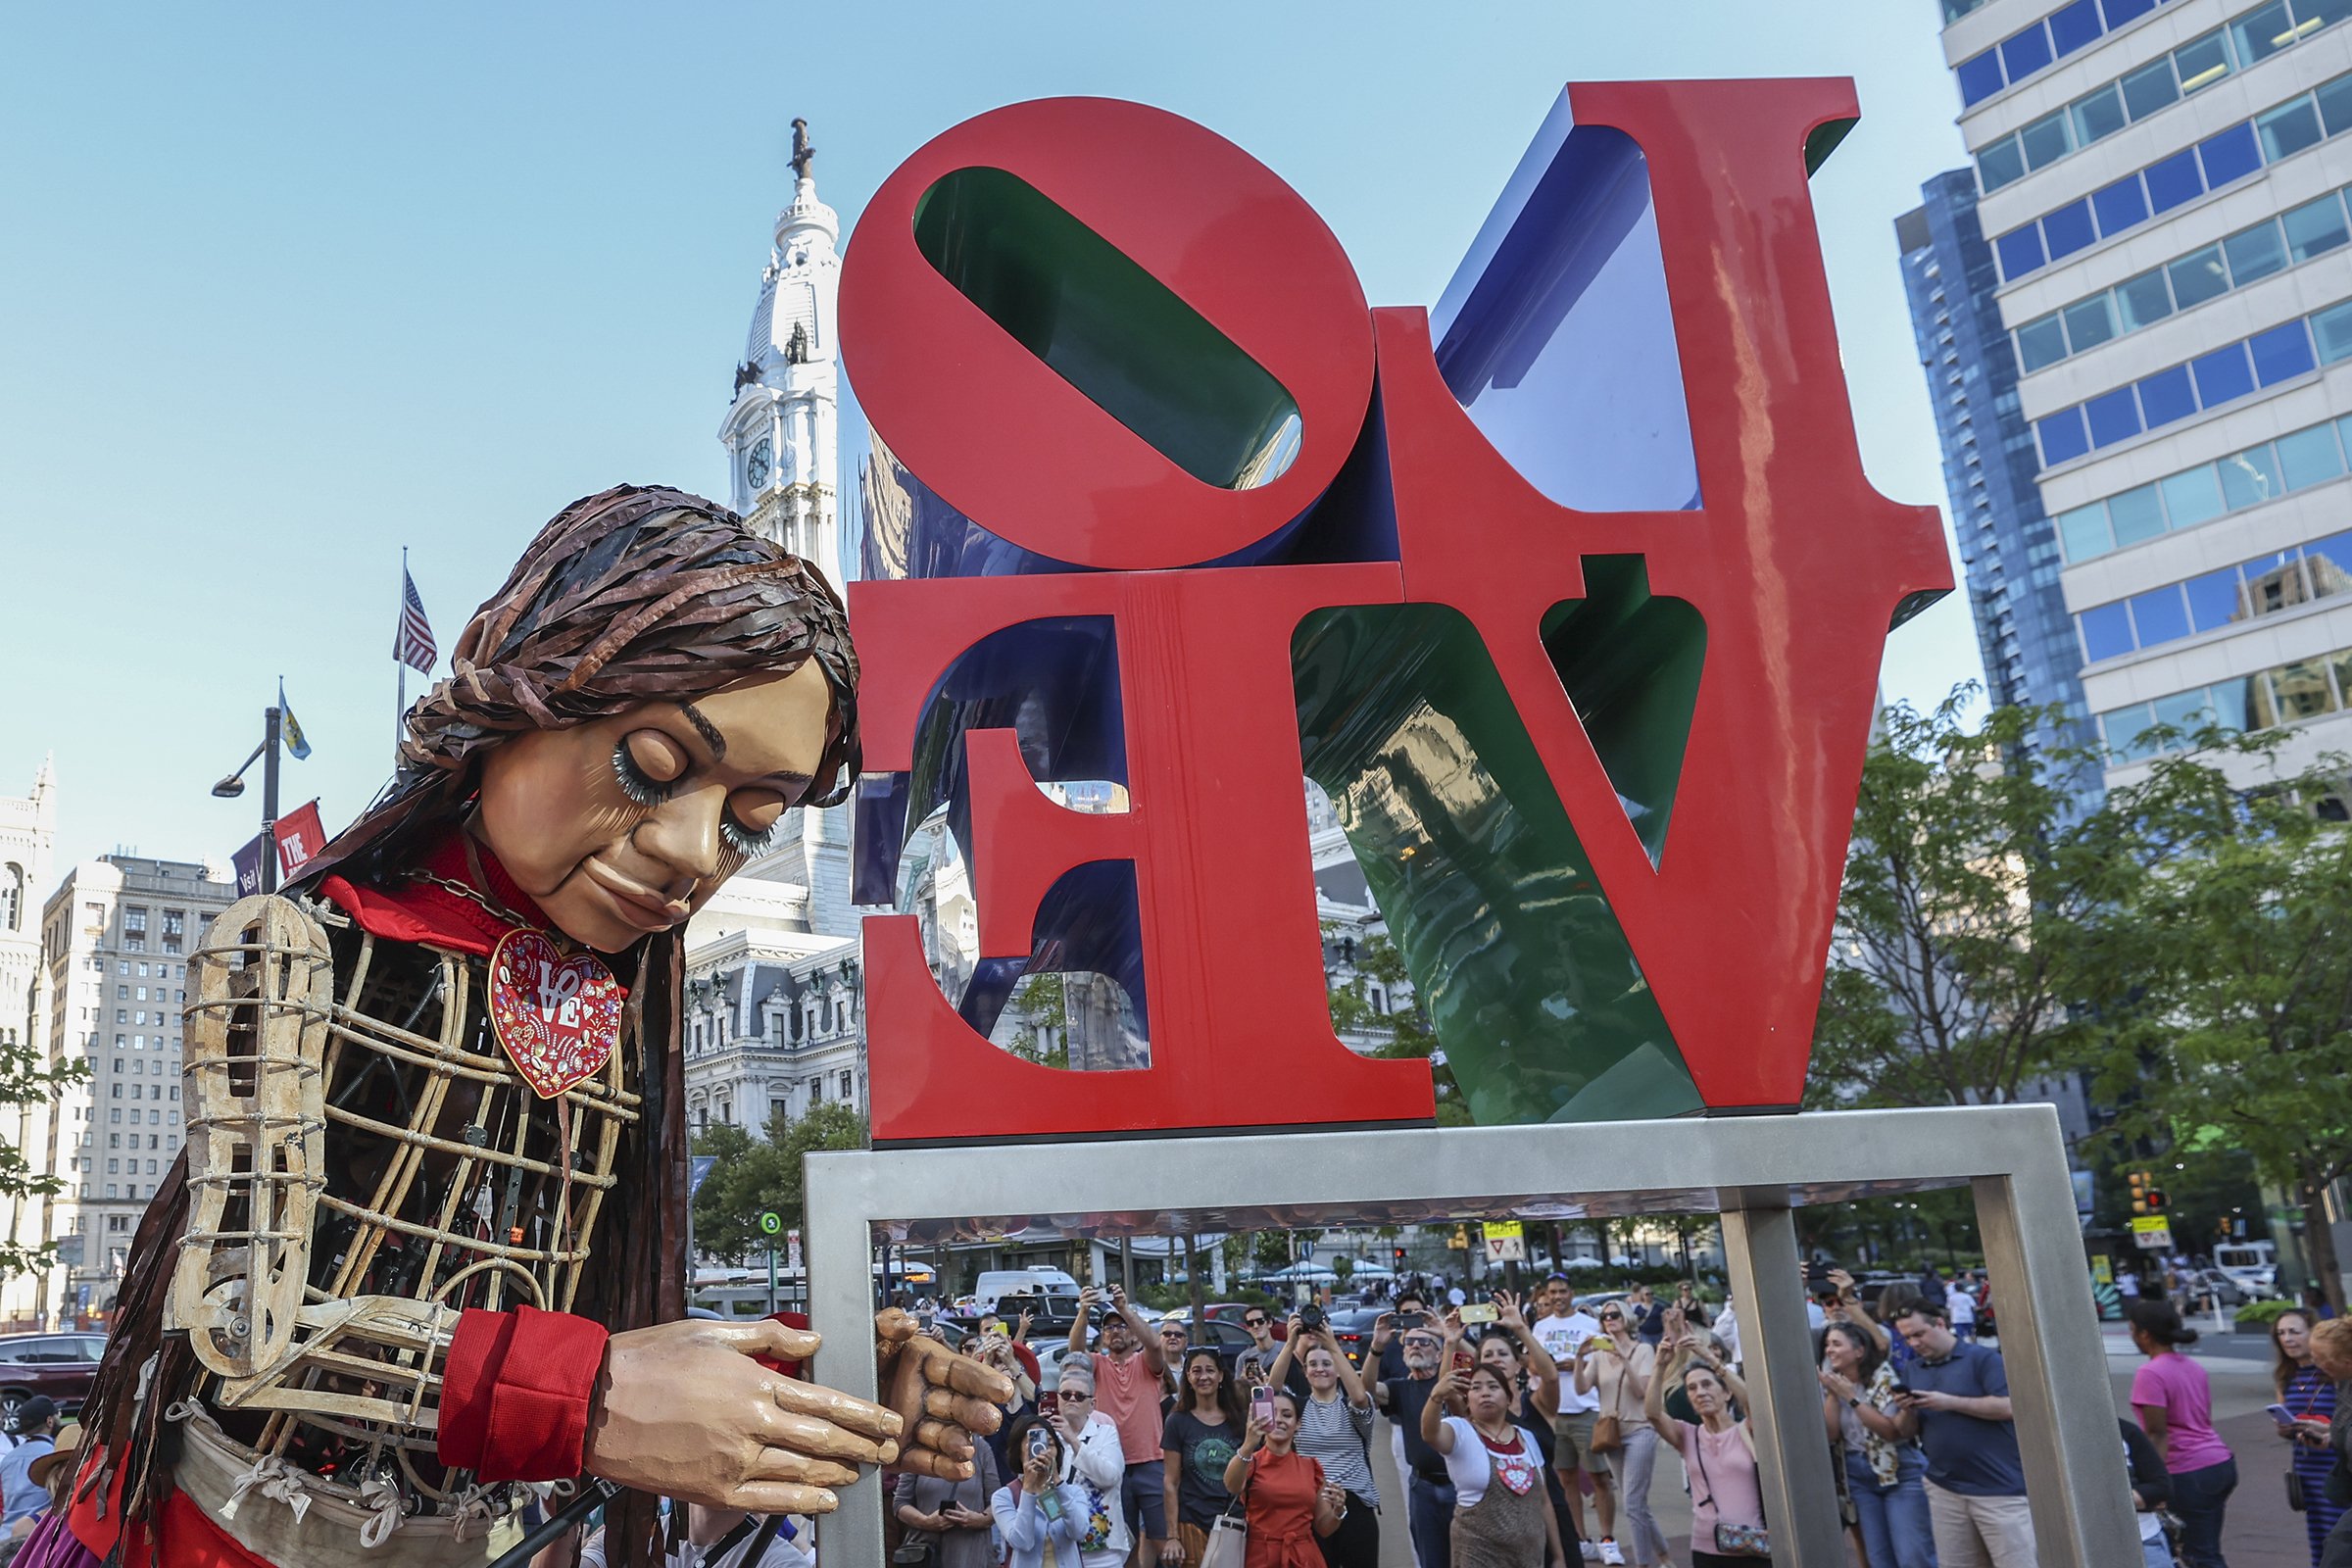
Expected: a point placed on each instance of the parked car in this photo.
(1352, 1328)
(58, 1365)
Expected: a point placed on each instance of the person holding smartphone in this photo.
(1335, 1429)
(1128, 1370)
(1035, 1508)
(955, 1513)
(1289, 1503)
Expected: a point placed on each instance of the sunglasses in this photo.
(1612, 1318)
(1420, 1344)
(1253, 1322)
(1069, 1396)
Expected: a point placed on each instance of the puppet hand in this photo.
(683, 1410)
(942, 1397)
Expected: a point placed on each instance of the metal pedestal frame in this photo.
(1750, 1169)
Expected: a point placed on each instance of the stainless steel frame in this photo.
(1752, 1170)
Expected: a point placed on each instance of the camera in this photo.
(1310, 1318)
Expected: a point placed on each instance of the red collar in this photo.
(419, 912)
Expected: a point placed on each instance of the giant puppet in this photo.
(427, 1244)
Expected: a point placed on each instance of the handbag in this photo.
(1608, 1432)
(2297, 1498)
(1731, 1541)
(1228, 1541)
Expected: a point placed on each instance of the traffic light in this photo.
(2140, 1191)
(1400, 1257)
(2157, 1201)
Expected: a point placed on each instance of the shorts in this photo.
(1573, 1449)
(1141, 1496)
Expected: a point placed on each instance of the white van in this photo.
(997, 1283)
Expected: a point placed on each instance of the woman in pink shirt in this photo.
(2174, 1403)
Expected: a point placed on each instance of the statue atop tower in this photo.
(781, 431)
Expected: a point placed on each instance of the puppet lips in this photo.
(640, 905)
(556, 1018)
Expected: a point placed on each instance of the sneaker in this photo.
(1591, 1552)
(1609, 1552)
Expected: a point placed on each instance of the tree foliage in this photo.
(1968, 915)
(753, 1177)
(28, 1078)
(2233, 1029)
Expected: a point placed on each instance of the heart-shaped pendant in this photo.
(556, 1018)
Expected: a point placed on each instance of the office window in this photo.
(2085, 532)
(2063, 437)
(2174, 180)
(2309, 457)
(2201, 62)
(2256, 252)
(2099, 115)
(2260, 35)
(2334, 99)
(2068, 229)
(2198, 277)
(2229, 155)
(2167, 396)
(2074, 27)
(2143, 300)
(2315, 228)
(2114, 416)
(1979, 77)
(2282, 354)
(2001, 164)
(2090, 322)
(2041, 342)
(2020, 251)
(2160, 615)
(2026, 53)
(2249, 477)
(2300, 690)
(2106, 631)
(2119, 12)
(2288, 128)
(2329, 561)
(2134, 514)
(2212, 598)
(2120, 206)
(2332, 329)
(2223, 374)
(2149, 88)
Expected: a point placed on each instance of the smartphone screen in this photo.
(1480, 1312)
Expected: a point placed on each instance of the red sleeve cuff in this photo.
(514, 1394)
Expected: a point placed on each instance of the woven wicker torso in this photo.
(353, 1126)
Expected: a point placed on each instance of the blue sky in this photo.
(289, 287)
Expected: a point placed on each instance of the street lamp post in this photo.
(230, 788)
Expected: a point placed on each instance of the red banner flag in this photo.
(299, 837)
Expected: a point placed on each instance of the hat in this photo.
(69, 1445)
(1175, 1319)
(35, 1412)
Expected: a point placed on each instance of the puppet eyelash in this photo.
(635, 782)
(746, 843)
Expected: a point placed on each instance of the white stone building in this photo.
(2163, 192)
(28, 838)
(116, 938)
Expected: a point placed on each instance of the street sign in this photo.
(2102, 1269)
(770, 1222)
(791, 1248)
(2153, 1233)
(1506, 1242)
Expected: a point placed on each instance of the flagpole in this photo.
(399, 705)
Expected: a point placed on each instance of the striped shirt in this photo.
(1339, 1436)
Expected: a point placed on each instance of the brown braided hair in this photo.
(633, 595)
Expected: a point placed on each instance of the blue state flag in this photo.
(287, 727)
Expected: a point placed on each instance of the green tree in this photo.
(28, 1078)
(1042, 1001)
(755, 1177)
(1378, 960)
(2235, 1032)
(1968, 915)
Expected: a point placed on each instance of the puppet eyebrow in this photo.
(706, 730)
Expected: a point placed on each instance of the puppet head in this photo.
(629, 716)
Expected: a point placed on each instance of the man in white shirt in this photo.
(1962, 1306)
(1562, 1331)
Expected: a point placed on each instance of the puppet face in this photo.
(626, 825)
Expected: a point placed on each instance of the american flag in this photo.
(413, 643)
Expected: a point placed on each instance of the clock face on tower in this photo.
(756, 470)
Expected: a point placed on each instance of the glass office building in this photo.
(2008, 548)
(2160, 186)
